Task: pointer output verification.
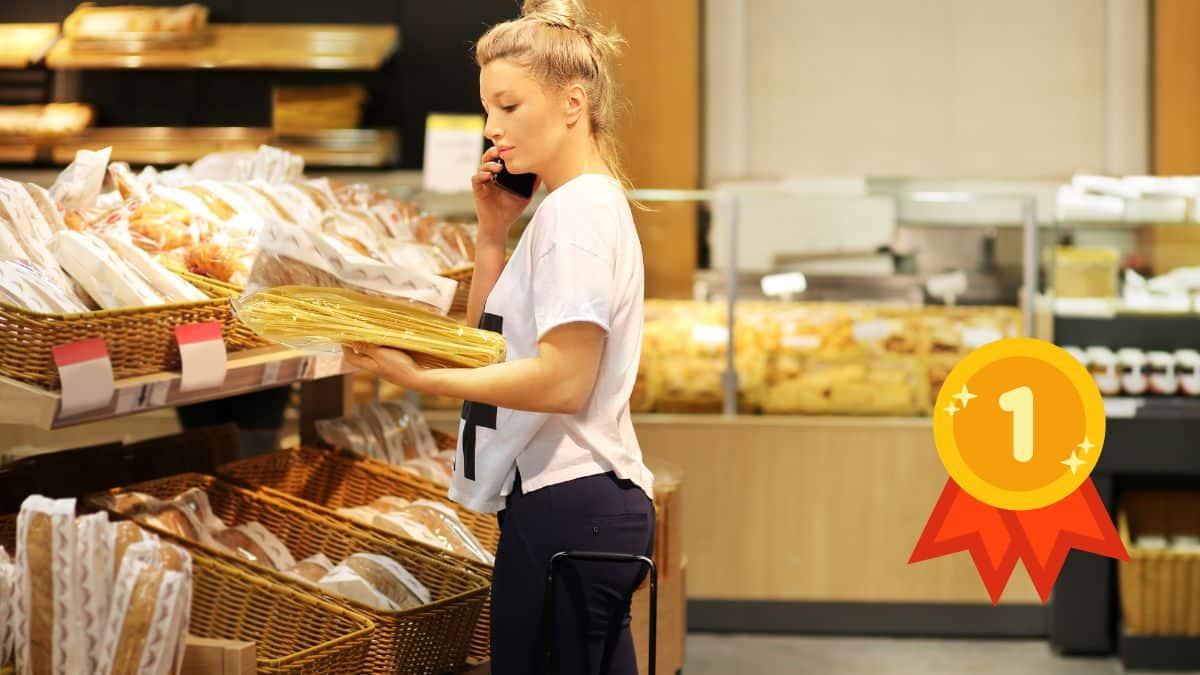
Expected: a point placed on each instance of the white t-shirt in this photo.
(578, 260)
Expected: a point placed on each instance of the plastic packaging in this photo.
(47, 607)
(110, 282)
(79, 184)
(376, 581)
(167, 284)
(23, 285)
(351, 434)
(149, 611)
(8, 573)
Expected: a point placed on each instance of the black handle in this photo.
(602, 557)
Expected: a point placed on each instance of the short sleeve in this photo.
(572, 284)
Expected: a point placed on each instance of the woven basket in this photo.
(328, 480)
(295, 631)
(462, 294)
(140, 341)
(1159, 588)
(239, 335)
(430, 639)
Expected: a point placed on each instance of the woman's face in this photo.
(524, 122)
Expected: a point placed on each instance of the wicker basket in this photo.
(1159, 587)
(331, 480)
(239, 335)
(140, 341)
(462, 294)
(430, 639)
(295, 631)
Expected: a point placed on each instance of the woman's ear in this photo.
(575, 103)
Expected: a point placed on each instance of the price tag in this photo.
(710, 334)
(202, 352)
(86, 374)
(326, 365)
(453, 146)
(142, 397)
(270, 373)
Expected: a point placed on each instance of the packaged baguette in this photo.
(30, 228)
(47, 608)
(376, 581)
(95, 541)
(110, 282)
(50, 210)
(311, 569)
(148, 614)
(168, 285)
(8, 573)
(444, 523)
(255, 544)
(23, 285)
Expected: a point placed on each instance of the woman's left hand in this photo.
(392, 365)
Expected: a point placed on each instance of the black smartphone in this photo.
(520, 184)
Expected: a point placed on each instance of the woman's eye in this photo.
(509, 108)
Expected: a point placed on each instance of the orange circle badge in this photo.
(1019, 424)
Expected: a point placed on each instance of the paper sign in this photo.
(453, 148)
(86, 374)
(202, 352)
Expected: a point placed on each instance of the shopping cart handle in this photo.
(603, 557)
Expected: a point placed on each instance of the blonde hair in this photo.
(561, 44)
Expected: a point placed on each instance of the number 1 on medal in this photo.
(1019, 402)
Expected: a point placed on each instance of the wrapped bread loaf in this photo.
(376, 581)
(95, 539)
(444, 523)
(23, 285)
(167, 284)
(311, 569)
(148, 614)
(50, 210)
(125, 534)
(89, 22)
(362, 514)
(110, 282)
(8, 573)
(197, 503)
(47, 607)
(255, 544)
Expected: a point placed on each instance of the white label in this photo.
(875, 330)
(327, 365)
(142, 397)
(159, 392)
(801, 342)
(270, 373)
(973, 338)
(204, 365)
(710, 334)
(453, 148)
(1122, 408)
(85, 371)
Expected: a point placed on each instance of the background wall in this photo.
(925, 88)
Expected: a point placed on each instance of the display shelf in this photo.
(176, 145)
(1160, 652)
(248, 371)
(1152, 407)
(1141, 331)
(442, 418)
(251, 47)
(23, 44)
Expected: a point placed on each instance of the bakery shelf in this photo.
(1148, 332)
(248, 371)
(23, 44)
(1160, 652)
(251, 47)
(176, 145)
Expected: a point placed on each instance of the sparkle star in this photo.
(1074, 462)
(1086, 446)
(951, 409)
(964, 396)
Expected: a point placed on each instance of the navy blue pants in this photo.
(596, 513)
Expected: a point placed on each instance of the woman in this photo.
(547, 439)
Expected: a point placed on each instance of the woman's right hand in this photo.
(495, 208)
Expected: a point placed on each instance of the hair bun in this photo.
(571, 12)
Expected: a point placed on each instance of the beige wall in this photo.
(925, 88)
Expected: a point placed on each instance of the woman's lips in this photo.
(505, 151)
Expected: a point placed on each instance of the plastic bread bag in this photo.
(126, 533)
(51, 210)
(351, 231)
(376, 581)
(353, 434)
(311, 569)
(455, 242)
(387, 431)
(79, 184)
(289, 253)
(26, 223)
(360, 514)
(47, 608)
(128, 185)
(197, 503)
(148, 613)
(444, 523)
(229, 262)
(406, 525)
(419, 441)
(23, 285)
(10, 246)
(321, 191)
(412, 255)
(95, 539)
(8, 573)
(255, 201)
(215, 205)
(389, 504)
(110, 282)
(255, 544)
(429, 469)
(299, 206)
(170, 286)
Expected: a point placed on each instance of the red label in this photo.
(198, 332)
(78, 352)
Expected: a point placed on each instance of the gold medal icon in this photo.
(1019, 424)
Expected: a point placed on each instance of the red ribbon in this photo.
(997, 538)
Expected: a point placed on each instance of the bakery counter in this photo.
(806, 523)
